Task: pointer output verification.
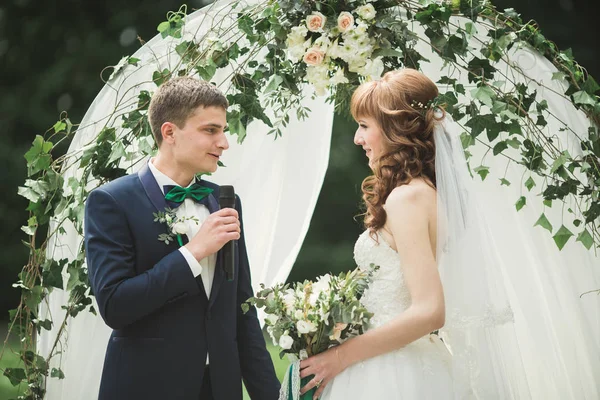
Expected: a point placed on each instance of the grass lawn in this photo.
(9, 360)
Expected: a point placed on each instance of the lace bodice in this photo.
(387, 295)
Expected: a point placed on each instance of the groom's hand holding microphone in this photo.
(220, 228)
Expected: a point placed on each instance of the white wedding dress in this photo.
(420, 370)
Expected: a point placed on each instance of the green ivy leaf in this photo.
(514, 143)
(207, 71)
(479, 123)
(480, 68)
(520, 203)
(544, 223)
(504, 182)
(547, 203)
(483, 171)
(172, 27)
(46, 324)
(52, 273)
(34, 191)
(59, 126)
(118, 151)
(160, 77)
(529, 183)
(466, 140)
(500, 147)
(33, 298)
(590, 85)
(586, 239)
(57, 373)
(38, 157)
(15, 375)
(562, 237)
(31, 226)
(470, 28)
(583, 97)
(485, 94)
(273, 83)
(560, 161)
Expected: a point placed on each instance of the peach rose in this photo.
(314, 56)
(345, 21)
(315, 22)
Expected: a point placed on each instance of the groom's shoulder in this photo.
(121, 185)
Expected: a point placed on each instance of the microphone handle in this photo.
(229, 259)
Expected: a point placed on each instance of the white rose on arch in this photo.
(315, 22)
(314, 56)
(366, 12)
(345, 21)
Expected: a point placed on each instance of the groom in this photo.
(178, 328)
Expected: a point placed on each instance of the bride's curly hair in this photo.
(400, 102)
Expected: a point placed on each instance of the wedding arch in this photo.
(530, 116)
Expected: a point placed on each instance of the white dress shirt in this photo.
(189, 208)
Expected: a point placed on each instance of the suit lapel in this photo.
(154, 192)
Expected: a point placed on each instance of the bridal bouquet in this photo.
(307, 318)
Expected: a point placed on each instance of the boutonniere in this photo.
(176, 226)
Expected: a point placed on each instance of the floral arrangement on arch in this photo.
(336, 45)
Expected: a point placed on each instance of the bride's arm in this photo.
(409, 209)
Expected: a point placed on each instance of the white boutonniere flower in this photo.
(176, 226)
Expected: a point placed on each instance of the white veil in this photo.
(479, 326)
(506, 329)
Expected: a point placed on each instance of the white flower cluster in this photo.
(348, 40)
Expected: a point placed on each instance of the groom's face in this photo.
(199, 144)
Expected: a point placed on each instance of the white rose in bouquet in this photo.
(305, 327)
(286, 342)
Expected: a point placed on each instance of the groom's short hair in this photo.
(176, 100)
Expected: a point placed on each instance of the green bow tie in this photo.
(178, 194)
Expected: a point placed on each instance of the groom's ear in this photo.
(166, 131)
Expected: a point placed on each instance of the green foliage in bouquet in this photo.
(307, 318)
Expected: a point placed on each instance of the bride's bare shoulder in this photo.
(416, 193)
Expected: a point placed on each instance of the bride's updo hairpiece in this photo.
(402, 103)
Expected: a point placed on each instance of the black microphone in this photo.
(227, 200)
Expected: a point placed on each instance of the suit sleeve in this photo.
(258, 372)
(123, 296)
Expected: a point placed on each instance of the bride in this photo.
(443, 325)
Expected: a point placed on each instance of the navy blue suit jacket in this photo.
(163, 323)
